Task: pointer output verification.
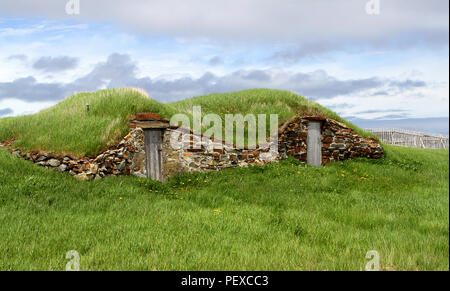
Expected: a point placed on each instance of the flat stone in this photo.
(122, 166)
(54, 163)
(83, 177)
(340, 146)
(62, 168)
(41, 158)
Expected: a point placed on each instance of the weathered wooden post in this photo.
(314, 143)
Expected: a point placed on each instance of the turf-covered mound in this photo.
(67, 128)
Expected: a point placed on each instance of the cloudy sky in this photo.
(365, 63)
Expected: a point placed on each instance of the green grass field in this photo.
(285, 216)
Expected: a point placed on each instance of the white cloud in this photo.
(408, 41)
(421, 102)
(47, 26)
(20, 107)
(314, 25)
(120, 70)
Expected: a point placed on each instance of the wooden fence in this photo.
(407, 138)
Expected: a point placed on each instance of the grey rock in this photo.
(62, 168)
(122, 166)
(339, 146)
(54, 163)
(41, 158)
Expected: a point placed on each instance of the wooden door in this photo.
(314, 141)
(153, 142)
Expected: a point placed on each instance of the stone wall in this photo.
(128, 157)
(339, 142)
(189, 153)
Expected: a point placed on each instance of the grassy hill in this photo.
(285, 216)
(66, 128)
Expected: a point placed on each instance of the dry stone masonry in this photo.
(193, 154)
(339, 142)
(123, 159)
